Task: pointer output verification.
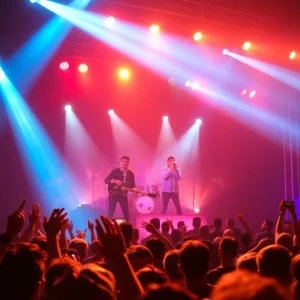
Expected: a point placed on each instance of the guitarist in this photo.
(119, 176)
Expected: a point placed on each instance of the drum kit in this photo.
(144, 204)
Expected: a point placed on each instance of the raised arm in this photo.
(241, 219)
(296, 225)
(279, 223)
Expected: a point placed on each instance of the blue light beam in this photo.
(49, 175)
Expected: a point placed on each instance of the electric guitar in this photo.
(122, 189)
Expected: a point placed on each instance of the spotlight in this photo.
(68, 107)
(64, 65)
(165, 118)
(111, 112)
(154, 29)
(124, 74)
(83, 68)
(252, 94)
(196, 210)
(225, 52)
(110, 21)
(292, 55)
(198, 36)
(195, 86)
(198, 121)
(33, 1)
(246, 46)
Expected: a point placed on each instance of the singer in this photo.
(120, 176)
(171, 175)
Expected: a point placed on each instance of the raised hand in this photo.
(15, 221)
(55, 223)
(111, 239)
(80, 234)
(65, 226)
(282, 208)
(91, 225)
(149, 227)
(183, 229)
(34, 216)
(292, 208)
(240, 217)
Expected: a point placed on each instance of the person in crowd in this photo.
(135, 236)
(139, 257)
(127, 231)
(165, 228)
(194, 263)
(156, 223)
(171, 267)
(150, 275)
(228, 250)
(158, 250)
(266, 231)
(195, 232)
(216, 230)
(247, 262)
(230, 225)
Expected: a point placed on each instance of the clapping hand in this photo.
(15, 221)
(149, 227)
(112, 244)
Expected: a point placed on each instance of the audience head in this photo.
(248, 286)
(56, 269)
(228, 233)
(285, 240)
(217, 240)
(274, 261)
(228, 248)
(194, 260)
(151, 275)
(81, 246)
(246, 239)
(180, 224)
(157, 248)
(171, 262)
(176, 236)
(139, 257)
(230, 223)
(94, 247)
(295, 272)
(41, 241)
(155, 222)
(85, 283)
(247, 262)
(267, 225)
(127, 231)
(196, 222)
(217, 223)
(21, 272)
(168, 291)
(165, 227)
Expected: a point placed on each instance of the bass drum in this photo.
(144, 205)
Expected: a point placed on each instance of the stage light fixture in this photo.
(68, 107)
(252, 94)
(198, 121)
(64, 65)
(110, 21)
(225, 52)
(196, 210)
(246, 46)
(165, 118)
(111, 112)
(198, 36)
(83, 68)
(124, 74)
(154, 29)
(292, 55)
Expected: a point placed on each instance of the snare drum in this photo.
(144, 205)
